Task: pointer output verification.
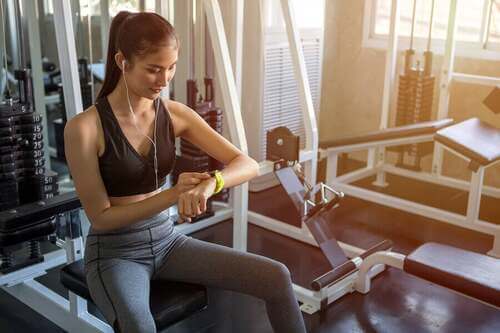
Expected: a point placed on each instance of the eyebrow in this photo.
(161, 67)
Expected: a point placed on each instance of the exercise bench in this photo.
(468, 273)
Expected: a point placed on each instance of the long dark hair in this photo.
(134, 34)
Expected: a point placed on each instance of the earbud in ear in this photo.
(123, 65)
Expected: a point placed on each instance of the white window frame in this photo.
(472, 50)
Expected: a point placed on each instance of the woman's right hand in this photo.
(189, 180)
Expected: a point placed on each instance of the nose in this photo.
(164, 78)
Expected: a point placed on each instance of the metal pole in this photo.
(306, 103)
(444, 84)
(31, 9)
(66, 51)
(232, 107)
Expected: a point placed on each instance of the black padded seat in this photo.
(170, 301)
(473, 274)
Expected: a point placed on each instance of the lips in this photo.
(156, 91)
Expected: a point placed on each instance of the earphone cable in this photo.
(155, 161)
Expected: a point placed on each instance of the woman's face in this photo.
(152, 72)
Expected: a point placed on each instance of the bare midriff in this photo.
(127, 200)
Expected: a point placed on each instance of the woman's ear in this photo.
(120, 61)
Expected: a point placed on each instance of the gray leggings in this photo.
(120, 265)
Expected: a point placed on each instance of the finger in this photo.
(194, 205)
(203, 205)
(193, 181)
(198, 205)
(180, 207)
(187, 206)
(199, 175)
(180, 219)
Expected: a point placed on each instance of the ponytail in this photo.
(113, 72)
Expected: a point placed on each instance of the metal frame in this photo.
(475, 186)
(232, 108)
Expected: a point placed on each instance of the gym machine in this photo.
(315, 208)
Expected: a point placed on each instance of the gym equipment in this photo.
(376, 143)
(23, 177)
(171, 302)
(22, 171)
(415, 96)
(473, 140)
(472, 274)
(315, 208)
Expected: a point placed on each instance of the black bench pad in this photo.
(170, 301)
(469, 273)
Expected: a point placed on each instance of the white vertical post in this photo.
(474, 201)
(66, 51)
(165, 9)
(236, 40)
(444, 82)
(183, 18)
(306, 103)
(331, 167)
(199, 44)
(232, 107)
(105, 25)
(391, 56)
(31, 9)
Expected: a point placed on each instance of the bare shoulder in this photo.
(85, 120)
(180, 115)
(85, 126)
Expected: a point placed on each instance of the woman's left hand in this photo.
(194, 202)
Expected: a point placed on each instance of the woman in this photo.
(119, 152)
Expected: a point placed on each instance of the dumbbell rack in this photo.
(23, 178)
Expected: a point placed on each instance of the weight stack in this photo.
(23, 178)
(414, 105)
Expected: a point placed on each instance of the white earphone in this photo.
(153, 142)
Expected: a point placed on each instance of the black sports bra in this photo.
(123, 170)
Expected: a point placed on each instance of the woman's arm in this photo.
(239, 167)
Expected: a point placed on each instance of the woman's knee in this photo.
(278, 277)
(135, 320)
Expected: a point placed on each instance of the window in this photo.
(478, 25)
(308, 14)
